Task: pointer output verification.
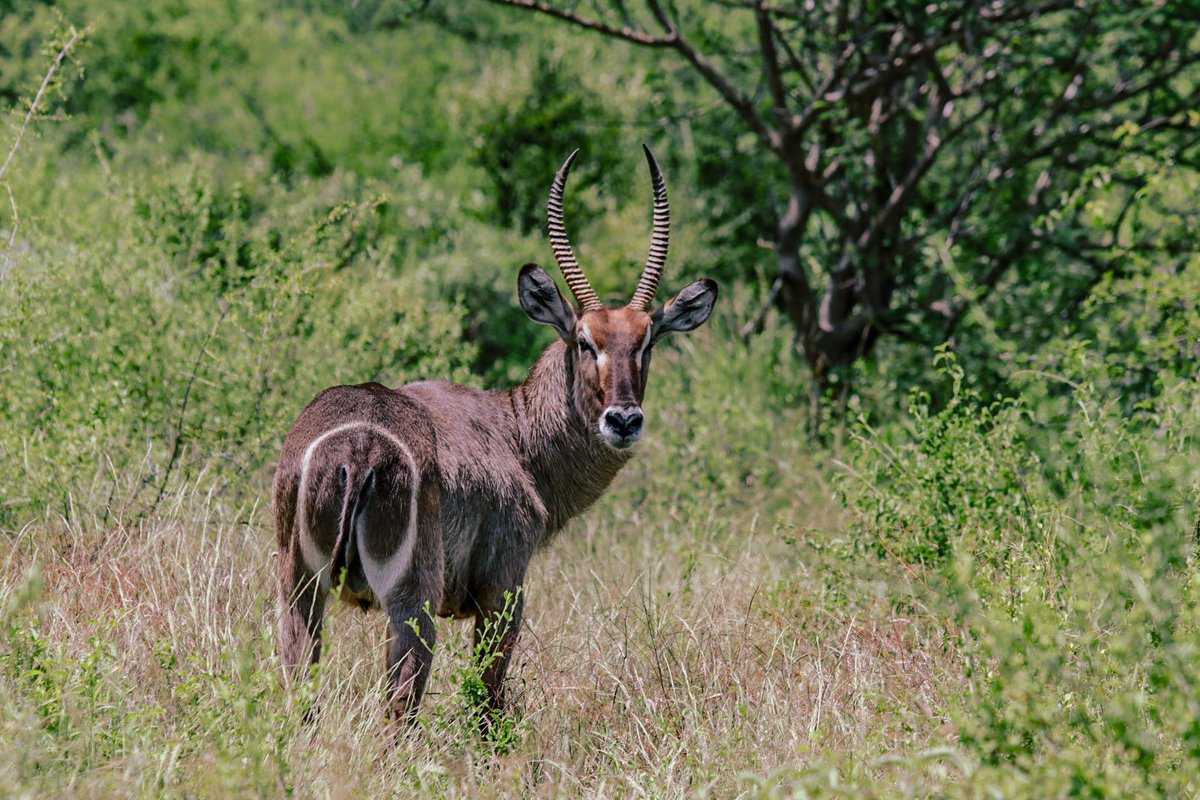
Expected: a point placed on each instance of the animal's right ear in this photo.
(543, 302)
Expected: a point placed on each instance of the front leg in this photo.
(497, 628)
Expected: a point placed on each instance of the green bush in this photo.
(1058, 537)
(951, 482)
(191, 338)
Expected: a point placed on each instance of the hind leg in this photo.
(401, 550)
(302, 609)
(411, 638)
(411, 632)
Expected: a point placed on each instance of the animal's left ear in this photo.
(543, 302)
(685, 311)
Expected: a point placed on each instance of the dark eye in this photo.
(586, 348)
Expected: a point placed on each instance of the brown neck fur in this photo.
(559, 445)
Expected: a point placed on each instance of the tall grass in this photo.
(679, 640)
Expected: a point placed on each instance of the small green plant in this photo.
(501, 728)
(956, 482)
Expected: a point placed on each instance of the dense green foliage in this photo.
(912, 164)
(982, 582)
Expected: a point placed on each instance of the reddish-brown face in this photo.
(612, 357)
(610, 347)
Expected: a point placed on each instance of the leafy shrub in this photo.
(953, 482)
(203, 329)
(1067, 571)
(515, 138)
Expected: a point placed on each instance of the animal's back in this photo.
(477, 446)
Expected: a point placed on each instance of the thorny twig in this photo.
(177, 447)
(12, 152)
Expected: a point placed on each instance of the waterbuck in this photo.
(432, 498)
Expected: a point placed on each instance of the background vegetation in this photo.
(962, 565)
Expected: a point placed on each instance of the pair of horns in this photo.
(584, 294)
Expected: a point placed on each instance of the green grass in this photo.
(682, 638)
(719, 625)
(960, 602)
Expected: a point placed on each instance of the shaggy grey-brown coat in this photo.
(433, 498)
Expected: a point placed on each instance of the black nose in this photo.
(627, 422)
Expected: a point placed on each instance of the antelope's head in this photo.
(609, 349)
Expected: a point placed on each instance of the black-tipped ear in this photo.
(543, 302)
(685, 311)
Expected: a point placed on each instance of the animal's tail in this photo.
(356, 493)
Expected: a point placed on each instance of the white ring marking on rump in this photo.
(317, 560)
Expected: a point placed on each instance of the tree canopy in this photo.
(915, 160)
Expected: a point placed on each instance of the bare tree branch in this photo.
(766, 42)
(671, 39)
(63, 53)
(37, 100)
(626, 33)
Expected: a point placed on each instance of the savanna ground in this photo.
(977, 580)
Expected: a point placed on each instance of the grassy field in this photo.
(686, 637)
(719, 625)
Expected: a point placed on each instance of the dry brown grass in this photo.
(666, 658)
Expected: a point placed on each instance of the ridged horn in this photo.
(648, 285)
(585, 295)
